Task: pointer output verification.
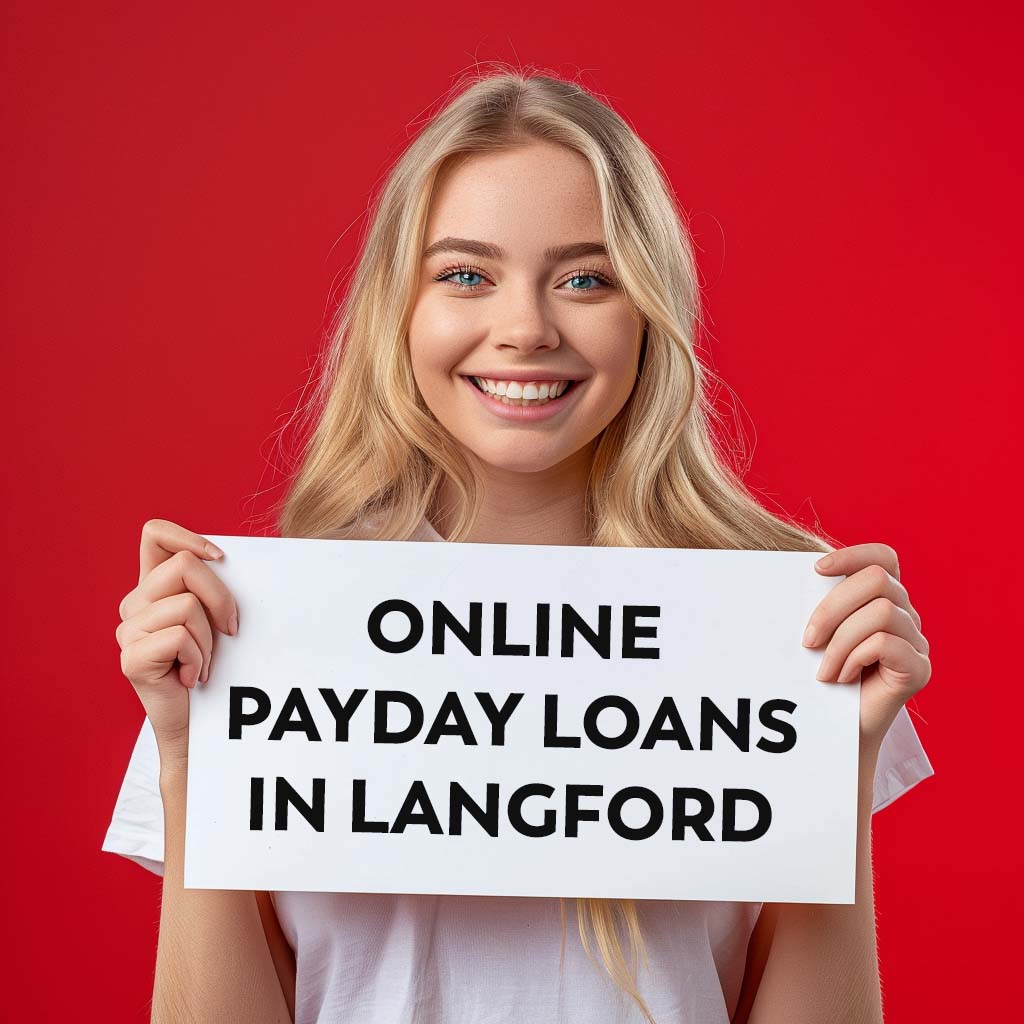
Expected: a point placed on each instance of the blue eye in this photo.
(581, 277)
(461, 277)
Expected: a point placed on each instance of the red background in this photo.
(184, 186)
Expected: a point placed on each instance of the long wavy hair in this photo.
(375, 456)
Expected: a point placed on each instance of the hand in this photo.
(869, 624)
(166, 634)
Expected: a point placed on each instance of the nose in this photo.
(523, 323)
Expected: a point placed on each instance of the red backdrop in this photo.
(183, 185)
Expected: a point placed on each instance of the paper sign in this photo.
(521, 720)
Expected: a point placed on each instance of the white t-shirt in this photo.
(381, 959)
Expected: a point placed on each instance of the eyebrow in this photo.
(490, 251)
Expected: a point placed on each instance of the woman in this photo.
(514, 364)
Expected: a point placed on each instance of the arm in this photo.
(213, 959)
(822, 959)
(280, 949)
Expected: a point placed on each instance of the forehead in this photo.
(523, 199)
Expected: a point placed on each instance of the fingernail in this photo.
(213, 551)
(823, 563)
(233, 623)
(809, 634)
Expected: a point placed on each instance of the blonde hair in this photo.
(376, 455)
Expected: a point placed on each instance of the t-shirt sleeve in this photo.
(902, 762)
(136, 829)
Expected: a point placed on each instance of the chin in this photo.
(520, 461)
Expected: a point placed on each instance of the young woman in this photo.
(514, 364)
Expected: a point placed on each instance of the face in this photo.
(518, 302)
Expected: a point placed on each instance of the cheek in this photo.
(614, 353)
(435, 347)
(427, 349)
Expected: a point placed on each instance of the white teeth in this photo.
(514, 392)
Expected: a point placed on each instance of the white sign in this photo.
(521, 720)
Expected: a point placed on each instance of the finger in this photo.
(877, 616)
(152, 657)
(186, 571)
(847, 596)
(909, 668)
(178, 609)
(853, 559)
(162, 538)
(847, 561)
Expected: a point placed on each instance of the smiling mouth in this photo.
(522, 393)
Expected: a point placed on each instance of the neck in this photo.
(546, 507)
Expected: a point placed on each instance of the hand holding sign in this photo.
(165, 633)
(869, 622)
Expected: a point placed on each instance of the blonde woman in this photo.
(514, 363)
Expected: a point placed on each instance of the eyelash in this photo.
(463, 268)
